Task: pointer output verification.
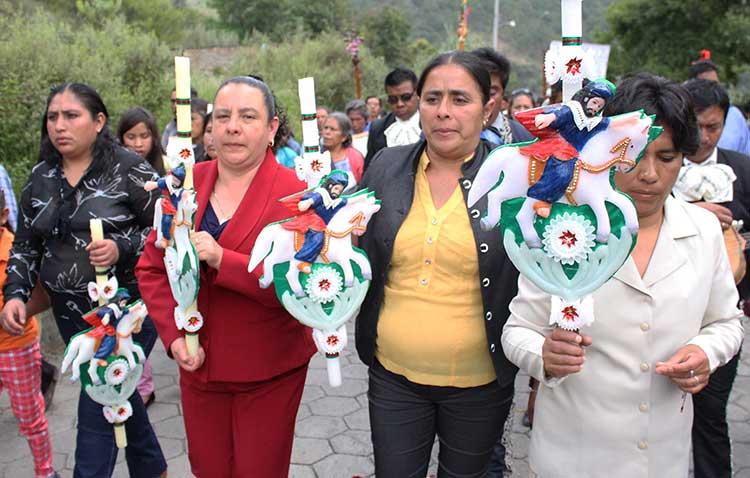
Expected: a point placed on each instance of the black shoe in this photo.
(50, 375)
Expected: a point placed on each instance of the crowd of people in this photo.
(447, 321)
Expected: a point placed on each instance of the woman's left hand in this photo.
(208, 249)
(103, 253)
(688, 368)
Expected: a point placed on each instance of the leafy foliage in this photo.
(664, 37)
(387, 34)
(37, 51)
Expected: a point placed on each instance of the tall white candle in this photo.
(182, 76)
(572, 18)
(307, 95)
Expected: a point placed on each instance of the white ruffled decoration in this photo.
(118, 413)
(569, 238)
(324, 284)
(572, 315)
(116, 372)
(401, 133)
(710, 183)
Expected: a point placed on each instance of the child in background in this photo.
(20, 371)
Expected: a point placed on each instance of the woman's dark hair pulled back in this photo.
(469, 62)
(253, 82)
(103, 147)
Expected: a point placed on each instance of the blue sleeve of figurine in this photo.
(162, 183)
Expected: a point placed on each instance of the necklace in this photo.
(218, 205)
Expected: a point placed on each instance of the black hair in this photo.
(707, 93)
(515, 94)
(701, 66)
(284, 132)
(495, 62)
(345, 125)
(199, 105)
(400, 75)
(102, 150)
(132, 118)
(380, 102)
(666, 99)
(3, 206)
(469, 62)
(254, 82)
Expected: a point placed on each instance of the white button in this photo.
(423, 282)
(428, 261)
(645, 367)
(434, 221)
(492, 347)
(645, 326)
(643, 407)
(467, 183)
(483, 247)
(486, 282)
(429, 240)
(643, 444)
(475, 213)
(488, 315)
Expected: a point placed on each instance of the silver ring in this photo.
(692, 373)
(697, 380)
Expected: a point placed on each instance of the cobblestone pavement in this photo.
(332, 436)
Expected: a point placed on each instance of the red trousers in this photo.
(240, 430)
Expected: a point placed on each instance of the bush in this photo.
(126, 66)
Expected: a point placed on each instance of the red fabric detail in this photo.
(100, 331)
(550, 142)
(223, 419)
(244, 324)
(166, 206)
(303, 222)
(20, 374)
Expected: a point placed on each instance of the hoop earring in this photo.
(270, 144)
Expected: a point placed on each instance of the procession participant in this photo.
(337, 139)
(137, 131)
(401, 126)
(374, 108)
(616, 392)
(441, 372)
(521, 99)
(21, 371)
(356, 111)
(208, 140)
(249, 372)
(703, 180)
(82, 174)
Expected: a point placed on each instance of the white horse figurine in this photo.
(82, 347)
(625, 139)
(276, 244)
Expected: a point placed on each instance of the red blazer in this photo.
(247, 335)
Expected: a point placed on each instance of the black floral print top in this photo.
(53, 231)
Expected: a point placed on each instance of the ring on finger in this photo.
(697, 380)
(692, 373)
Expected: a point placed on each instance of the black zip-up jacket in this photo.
(391, 175)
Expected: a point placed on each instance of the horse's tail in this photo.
(71, 351)
(488, 175)
(263, 246)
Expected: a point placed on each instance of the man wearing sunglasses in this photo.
(400, 126)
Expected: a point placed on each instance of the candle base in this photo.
(192, 344)
(121, 439)
(333, 365)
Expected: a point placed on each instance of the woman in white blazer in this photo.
(612, 397)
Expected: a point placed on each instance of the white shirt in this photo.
(617, 418)
(707, 181)
(401, 133)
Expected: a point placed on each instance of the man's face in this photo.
(710, 75)
(373, 107)
(335, 191)
(711, 124)
(594, 105)
(403, 100)
(496, 93)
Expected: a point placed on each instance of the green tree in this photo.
(664, 37)
(276, 18)
(386, 32)
(37, 51)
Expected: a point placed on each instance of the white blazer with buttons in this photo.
(617, 418)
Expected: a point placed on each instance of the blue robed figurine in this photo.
(171, 189)
(563, 130)
(105, 320)
(316, 208)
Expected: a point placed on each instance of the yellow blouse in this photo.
(431, 327)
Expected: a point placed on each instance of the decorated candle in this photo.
(571, 19)
(310, 133)
(182, 93)
(97, 234)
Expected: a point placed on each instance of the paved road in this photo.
(332, 437)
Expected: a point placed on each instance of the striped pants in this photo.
(20, 374)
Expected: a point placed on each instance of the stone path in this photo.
(332, 436)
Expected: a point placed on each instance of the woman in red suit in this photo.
(241, 392)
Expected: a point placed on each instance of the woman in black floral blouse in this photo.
(83, 174)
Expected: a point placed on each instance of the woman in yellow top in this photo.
(430, 325)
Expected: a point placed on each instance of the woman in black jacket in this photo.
(83, 174)
(430, 326)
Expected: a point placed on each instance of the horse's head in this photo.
(354, 217)
(132, 321)
(631, 135)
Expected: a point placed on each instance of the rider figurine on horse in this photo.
(317, 208)
(563, 130)
(171, 189)
(105, 320)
